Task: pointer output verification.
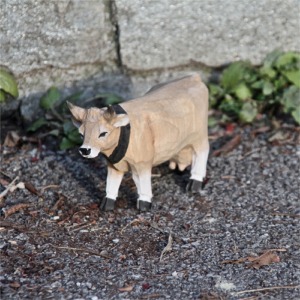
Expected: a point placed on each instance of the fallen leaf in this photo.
(12, 139)
(29, 186)
(15, 284)
(127, 288)
(278, 136)
(256, 262)
(265, 259)
(229, 146)
(262, 129)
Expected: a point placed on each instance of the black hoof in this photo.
(107, 204)
(144, 205)
(194, 186)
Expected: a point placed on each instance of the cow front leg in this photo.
(113, 181)
(198, 170)
(142, 181)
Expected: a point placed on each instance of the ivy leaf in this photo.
(66, 144)
(8, 83)
(74, 137)
(232, 75)
(68, 127)
(267, 71)
(271, 58)
(50, 98)
(37, 125)
(248, 112)
(2, 96)
(291, 99)
(296, 114)
(287, 59)
(230, 105)
(111, 99)
(268, 88)
(293, 76)
(242, 91)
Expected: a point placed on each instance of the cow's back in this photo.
(171, 116)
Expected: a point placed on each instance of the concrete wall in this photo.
(127, 45)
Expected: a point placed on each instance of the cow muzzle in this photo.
(88, 152)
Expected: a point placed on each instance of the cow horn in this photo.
(109, 113)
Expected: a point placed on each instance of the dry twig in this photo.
(167, 248)
(15, 208)
(12, 184)
(82, 250)
(269, 289)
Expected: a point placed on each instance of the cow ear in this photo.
(77, 113)
(120, 120)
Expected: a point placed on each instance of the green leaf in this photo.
(66, 144)
(74, 97)
(296, 114)
(248, 112)
(111, 99)
(257, 85)
(291, 99)
(37, 125)
(50, 98)
(54, 132)
(233, 74)
(230, 105)
(242, 91)
(8, 83)
(215, 92)
(293, 76)
(212, 121)
(267, 71)
(280, 83)
(268, 88)
(286, 59)
(271, 58)
(2, 96)
(68, 127)
(74, 136)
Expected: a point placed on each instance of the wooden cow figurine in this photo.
(169, 123)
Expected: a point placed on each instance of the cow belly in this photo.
(180, 152)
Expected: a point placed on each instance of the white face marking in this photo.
(93, 153)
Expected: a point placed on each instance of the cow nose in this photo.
(85, 151)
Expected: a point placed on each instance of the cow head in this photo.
(100, 128)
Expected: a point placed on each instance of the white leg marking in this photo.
(143, 183)
(113, 182)
(198, 171)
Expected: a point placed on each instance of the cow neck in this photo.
(120, 151)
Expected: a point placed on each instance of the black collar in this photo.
(120, 151)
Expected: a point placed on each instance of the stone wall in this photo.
(125, 46)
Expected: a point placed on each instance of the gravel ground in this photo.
(62, 247)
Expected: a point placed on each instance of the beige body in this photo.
(169, 123)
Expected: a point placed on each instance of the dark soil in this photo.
(60, 246)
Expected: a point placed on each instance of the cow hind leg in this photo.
(198, 169)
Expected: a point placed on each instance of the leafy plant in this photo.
(57, 120)
(8, 85)
(244, 91)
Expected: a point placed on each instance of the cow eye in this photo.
(102, 134)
